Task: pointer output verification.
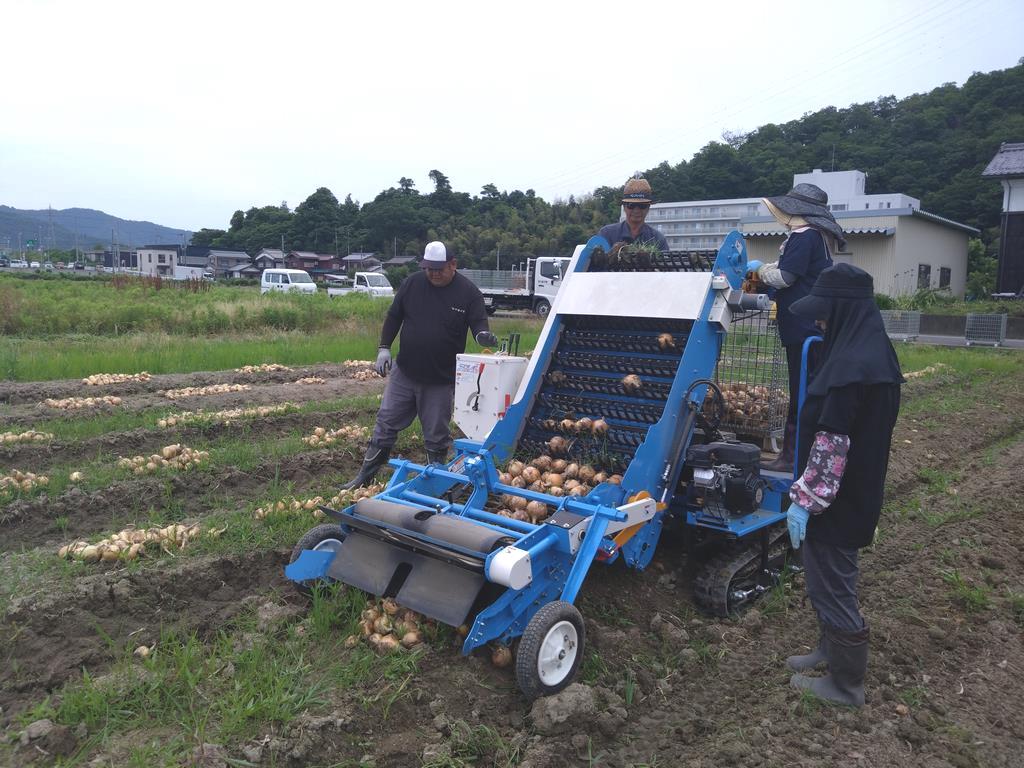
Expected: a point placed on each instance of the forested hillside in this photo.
(932, 146)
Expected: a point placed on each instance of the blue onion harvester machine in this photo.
(617, 384)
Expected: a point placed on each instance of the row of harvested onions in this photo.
(176, 456)
(226, 416)
(29, 436)
(103, 379)
(358, 363)
(19, 481)
(367, 375)
(311, 380)
(77, 403)
(338, 501)
(262, 368)
(323, 436)
(131, 543)
(213, 389)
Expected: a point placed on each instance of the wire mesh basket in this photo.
(901, 324)
(753, 377)
(985, 329)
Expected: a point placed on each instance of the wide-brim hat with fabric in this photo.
(435, 255)
(637, 190)
(842, 281)
(810, 203)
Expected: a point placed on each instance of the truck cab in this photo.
(373, 284)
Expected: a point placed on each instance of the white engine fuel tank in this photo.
(485, 386)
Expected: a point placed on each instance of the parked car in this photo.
(48, 266)
(79, 265)
(4, 261)
(370, 283)
(34, 265)
(19, 264)
(297, 280)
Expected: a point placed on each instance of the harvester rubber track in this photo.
(723, 579)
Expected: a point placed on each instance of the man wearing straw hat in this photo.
(813, 236)
(636, 202)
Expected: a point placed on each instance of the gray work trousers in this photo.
(831, 574)
(404, 400)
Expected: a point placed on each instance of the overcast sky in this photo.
(180, 113)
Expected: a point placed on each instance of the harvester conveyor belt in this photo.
(625, 341)
(633, 411)
(609, 385)
(623, 363)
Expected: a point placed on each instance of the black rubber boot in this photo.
(437, 457)
(809, 661)
(847, 663)
(376, 457)
(784, 461)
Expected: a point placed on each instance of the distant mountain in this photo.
(91, 227)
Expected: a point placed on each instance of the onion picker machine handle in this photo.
(432, 539)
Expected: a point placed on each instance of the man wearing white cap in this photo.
(433, 309)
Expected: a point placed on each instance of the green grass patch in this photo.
(76, 355)
(471, 746)
(1016, 605)
(973, 599)
(242, 680)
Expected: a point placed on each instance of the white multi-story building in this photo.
(697, 225)
(159, 260)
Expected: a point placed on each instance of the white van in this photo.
(287, 280)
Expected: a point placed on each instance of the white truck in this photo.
(533, 288)
(192, 273)
(373, 284)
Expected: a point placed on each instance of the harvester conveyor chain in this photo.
(621, 341)
(667, 261)
(582, 382)
(606, 324)
(558, 405)
(612, 363)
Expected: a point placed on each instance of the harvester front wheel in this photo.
(551, 650)
(323, 537)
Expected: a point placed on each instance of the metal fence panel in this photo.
(902, 325)
(985, 329)
(753, 377)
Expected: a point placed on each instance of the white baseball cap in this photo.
(435, 255)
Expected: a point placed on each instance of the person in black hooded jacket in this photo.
(845, 431)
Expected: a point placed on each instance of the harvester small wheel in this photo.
(551, 650)
(323, 537)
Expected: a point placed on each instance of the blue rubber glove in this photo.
(753, 265)
(383, 364)
(796, 519)
(486, 339)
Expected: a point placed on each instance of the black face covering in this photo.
(856, 350)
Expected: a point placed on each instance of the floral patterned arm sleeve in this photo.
(818, 485)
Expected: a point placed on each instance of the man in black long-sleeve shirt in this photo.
(433, 310)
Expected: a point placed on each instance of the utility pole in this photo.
(498, 264)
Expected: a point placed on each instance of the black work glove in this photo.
(486, 339)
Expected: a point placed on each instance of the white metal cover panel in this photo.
(634, 294)
(484, 387)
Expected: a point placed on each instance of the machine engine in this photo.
(726, 477)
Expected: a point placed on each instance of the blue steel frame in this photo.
(558, 572)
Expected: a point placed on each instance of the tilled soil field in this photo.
(661, 684)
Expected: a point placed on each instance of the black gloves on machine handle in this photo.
(486, 339)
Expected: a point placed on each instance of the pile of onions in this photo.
(77, 403)
(311, 380)
(365, 375)
(358, 363)
(387, 627)
(322, 436)
(293, 504)
(131, 543)
(749, 404)
(213, 389)
(19, 481)
(31, 436)
(101, 379)
(179, 457)
(262, 368)
(225, 416)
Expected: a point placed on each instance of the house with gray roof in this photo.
(1007, 167)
